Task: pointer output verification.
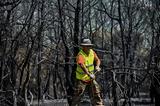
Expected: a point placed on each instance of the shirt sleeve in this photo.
(80, 59)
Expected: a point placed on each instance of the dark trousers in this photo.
(94, 93)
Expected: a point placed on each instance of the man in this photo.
(85, 78)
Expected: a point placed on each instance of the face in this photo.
(86, 49)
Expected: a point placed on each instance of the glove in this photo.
(98, 68)
(92, 76)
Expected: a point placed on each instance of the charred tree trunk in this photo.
(39, 45)
(67, 53)
(114, 92)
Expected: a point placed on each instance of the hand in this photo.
(92, 76)
(98, 68)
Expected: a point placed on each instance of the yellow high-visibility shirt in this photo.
(88, 61)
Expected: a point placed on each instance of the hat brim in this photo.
(86, 44)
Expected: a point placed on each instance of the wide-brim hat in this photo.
(86, 42)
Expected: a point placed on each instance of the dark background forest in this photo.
(39, 40)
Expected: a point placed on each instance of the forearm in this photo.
(97, 67)
(85, 69)
(98, 63)
(97, 60)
